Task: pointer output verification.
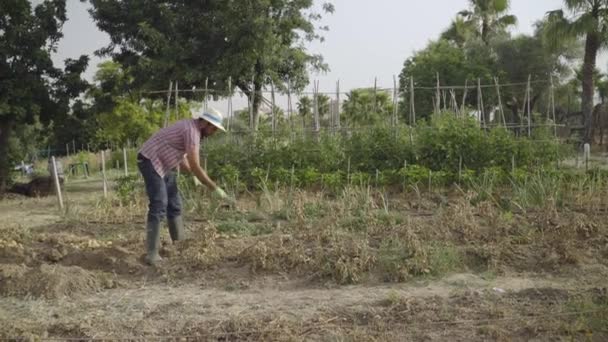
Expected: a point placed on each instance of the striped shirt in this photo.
(167, 147)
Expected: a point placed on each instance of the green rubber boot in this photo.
(153, 243)
(176, 229)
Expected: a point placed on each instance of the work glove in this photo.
(221, 194)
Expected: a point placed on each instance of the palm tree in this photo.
(486, 18)
(304, 109)
(459, 32)
(589, 20)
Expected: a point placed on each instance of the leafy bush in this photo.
(126, 189)
(447, 149)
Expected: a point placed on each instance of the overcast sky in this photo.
(367, 39)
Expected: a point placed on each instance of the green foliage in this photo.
(453, 64)
(263, 41)
(126, 189)
(363, 108)
(129, 121)
(434, 157)
(31, 87)
(448, 143)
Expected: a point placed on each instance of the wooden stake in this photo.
(412, 104)
(103, 174)
(316, 106)
(513, 166)
(290, 106)
(395, 101)
(587, 155)
(67, 150)
(529, 111)
(553, 108)
(272, 110)
(167, 113)
(177, 100)
(57, 184)
(206, 99)
(438, 97)
(251, 101)
(480, 104)
(348, 171)
(460, 169)
(124, 154)
(464, 97)
(229, 111)
(500, 107)
(338, 123)
(375, 96)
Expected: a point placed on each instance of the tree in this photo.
(30, 86)
(455, 65)
(530, 56)
(484, 19)
(129, 121)
(589, 20)
(362, 107)
(254, 42)
(304, 109)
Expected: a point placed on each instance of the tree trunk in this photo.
(5, 130)
(591, 48)
(258, 82)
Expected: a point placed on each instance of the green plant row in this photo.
(442, 151)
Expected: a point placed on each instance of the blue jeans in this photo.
(162, 192)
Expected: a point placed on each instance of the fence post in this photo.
(395, 101)
(166, 123)
(500, 107)
(529, 93)
(230, 114)
(177, 100)
(464, 97)
(57, 185)
(438, 97)
(205, 100)
(338, 105)
(124, 154)
(553, 108)
(103, 174)
(587, 151)
(412, 103)
(272, 110)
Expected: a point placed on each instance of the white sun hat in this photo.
(211, 115)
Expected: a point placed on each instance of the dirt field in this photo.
(357, 266)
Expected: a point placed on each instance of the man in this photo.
(157, 160)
